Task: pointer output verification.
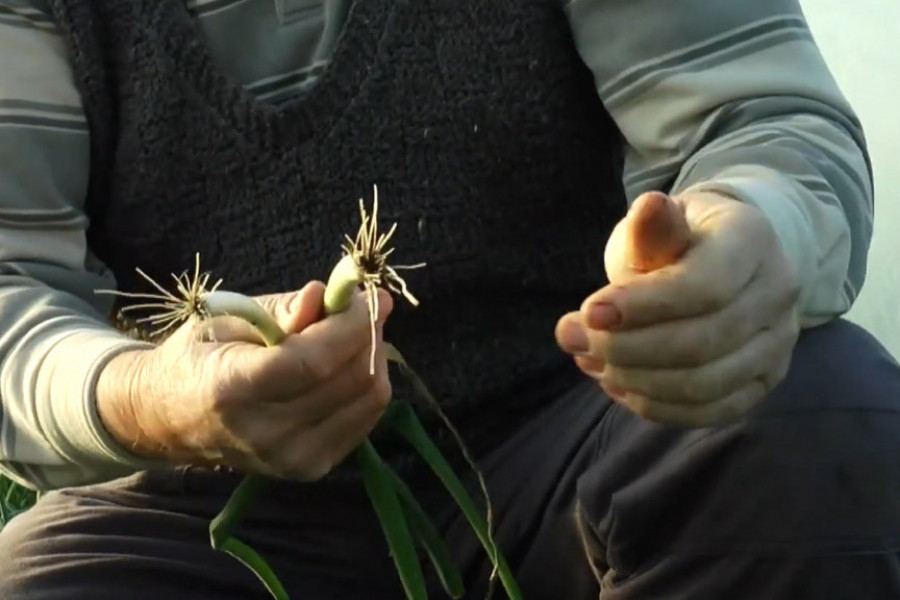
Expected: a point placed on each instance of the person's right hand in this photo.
(292, 411)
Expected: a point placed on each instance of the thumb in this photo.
(653, 234)
(295, 311)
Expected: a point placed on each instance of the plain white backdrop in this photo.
(860, 40)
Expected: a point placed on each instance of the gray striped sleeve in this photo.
(53, 340)
(53, 337)
(735, 97)
(26, 14)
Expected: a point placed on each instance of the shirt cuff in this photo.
(74, 426)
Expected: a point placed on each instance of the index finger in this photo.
(706, 278)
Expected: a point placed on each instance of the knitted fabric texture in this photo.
(477, 120)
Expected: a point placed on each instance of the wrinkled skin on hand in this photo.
(213, 394)
(700, 317)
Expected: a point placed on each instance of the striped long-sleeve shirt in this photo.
(728, 96)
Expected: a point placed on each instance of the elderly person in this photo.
(706, 429)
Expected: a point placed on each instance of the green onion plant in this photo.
(404, 522)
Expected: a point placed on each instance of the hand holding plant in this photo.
(291, 411)
(306, 367)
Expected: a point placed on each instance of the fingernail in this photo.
(603, 316)
(574, 338)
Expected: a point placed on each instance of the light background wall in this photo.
(860, 40)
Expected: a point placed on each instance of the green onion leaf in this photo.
(427, 535)
(383, 494)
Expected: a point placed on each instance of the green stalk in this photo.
(428, 537)
(221, 528)
(391, 499)
(256, 563)
(231, 304)
(343, 282)
(404, 420)
(235, 509)
(386, 503)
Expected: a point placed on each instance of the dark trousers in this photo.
(799, 501)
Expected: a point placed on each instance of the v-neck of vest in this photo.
(292, 122)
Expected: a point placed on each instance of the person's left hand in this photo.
(700, 317)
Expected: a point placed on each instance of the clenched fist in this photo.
(700, 317)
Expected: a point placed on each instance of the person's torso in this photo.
(476, 119)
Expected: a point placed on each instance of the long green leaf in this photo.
(234, 511)
(256, 563)
(386, 503)
(427, 535)
(404, 420)
(221, 530)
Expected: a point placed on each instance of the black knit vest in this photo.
(476, 118)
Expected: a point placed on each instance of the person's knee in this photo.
(813, 470)
(837, 366)
(20, 554)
